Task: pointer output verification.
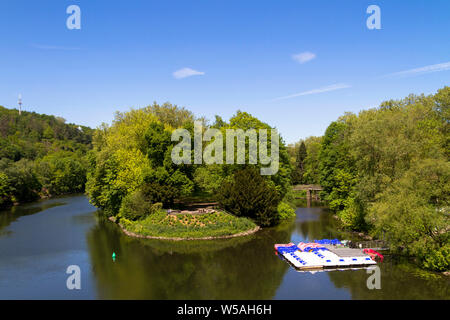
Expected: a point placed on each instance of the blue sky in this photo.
(297, 65)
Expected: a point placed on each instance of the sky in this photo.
(297, 65)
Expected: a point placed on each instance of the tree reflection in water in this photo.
(399, 280)
(243, 268)
(238, 268)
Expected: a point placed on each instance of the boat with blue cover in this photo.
(324, 254)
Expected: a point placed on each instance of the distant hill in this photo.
(40, 156)
(32, 135)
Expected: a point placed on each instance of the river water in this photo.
(39, 241)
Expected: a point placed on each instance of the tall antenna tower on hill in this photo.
(20, 104)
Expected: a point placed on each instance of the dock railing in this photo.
(376, 245)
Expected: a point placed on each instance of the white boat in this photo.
(314, 256)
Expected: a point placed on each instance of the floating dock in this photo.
(316, 256)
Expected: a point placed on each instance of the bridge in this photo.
(311, 189)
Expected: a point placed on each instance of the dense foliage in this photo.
(386, 170)
(304, 157)
(132, 163)
(135, 154)
(218, 178)
(298, 171)
(413, 212)
(137, 206)
(40, 155)
(248, 194)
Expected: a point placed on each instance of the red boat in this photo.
(374, 255)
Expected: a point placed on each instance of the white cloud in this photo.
(186, 72)
(304, 57)
(427, 69)
(333, 87)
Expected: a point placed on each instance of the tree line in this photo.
(386, 171)
(131, 167)
(304, 158)
(40, 156)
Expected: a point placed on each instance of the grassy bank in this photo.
(160, 224)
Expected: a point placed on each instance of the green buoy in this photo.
(114, 256)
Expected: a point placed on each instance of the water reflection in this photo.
(399, 280)
(39, 241)
(7, 216)
(241, 268)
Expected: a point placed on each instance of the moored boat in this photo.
(325, 253)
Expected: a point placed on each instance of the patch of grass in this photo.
(161, 224)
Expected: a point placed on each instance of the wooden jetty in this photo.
(345, 252)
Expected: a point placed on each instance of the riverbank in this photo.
(40, 199)
(76, 232)
(208, 226)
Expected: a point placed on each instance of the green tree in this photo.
(62, 173)
(5, 192)
(299, 169)
(22, 179)
(312, 170)
(336, 169)
(48, 133)
(413, 213)
(248, 194)
(282, 179)
(137, 205)
(158, 142)
(135, 154)
(301, 156)
(39, 152)
(210, 178)
(171, 115)
(218, 123)
(386, 170)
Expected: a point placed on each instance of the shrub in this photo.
(4, 190)
(438, 260)
(136, 206)
(285, 211)
(23, 182)
(155, 192)
(249, 195)
(352, 216)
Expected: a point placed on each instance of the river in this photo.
(39, 241)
